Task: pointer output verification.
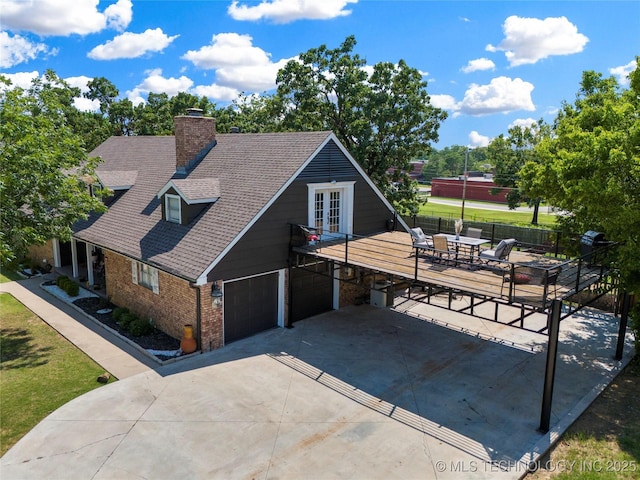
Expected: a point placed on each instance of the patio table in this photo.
(471, 242)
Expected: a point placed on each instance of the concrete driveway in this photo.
(360, 393)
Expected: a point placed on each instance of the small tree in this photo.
(43, 167)
(509, 154)
(590, 166)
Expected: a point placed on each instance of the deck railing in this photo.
(528, 277)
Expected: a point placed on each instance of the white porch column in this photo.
(89, 264)
(74, 257)
(57, 262)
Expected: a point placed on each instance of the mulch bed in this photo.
(155, 341)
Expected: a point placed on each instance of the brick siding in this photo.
(173, 307)
(192, 134)
(39, 252)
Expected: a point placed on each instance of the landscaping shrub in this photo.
(69, 286)
(72, 288)
(126, 319)
(139, 327)
(118, 312)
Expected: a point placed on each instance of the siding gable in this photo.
(329, 164)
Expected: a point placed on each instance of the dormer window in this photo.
(172, 208)
(184, 199)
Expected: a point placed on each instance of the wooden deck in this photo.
(391, 253)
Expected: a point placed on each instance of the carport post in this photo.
(550, 372)
(622, 331)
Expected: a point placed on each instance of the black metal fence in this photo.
(534, 239)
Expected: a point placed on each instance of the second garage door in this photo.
(250, 306)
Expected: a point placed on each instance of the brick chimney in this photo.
(195, 136)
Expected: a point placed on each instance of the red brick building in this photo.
(478, 188)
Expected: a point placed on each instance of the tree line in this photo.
(586, 162)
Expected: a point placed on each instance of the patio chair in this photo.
(420, 240)
(501, 252)
(441, 248)
(474, 232)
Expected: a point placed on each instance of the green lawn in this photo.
(8, 276)
(481, 215)
(41, 371)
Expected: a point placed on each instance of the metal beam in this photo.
(622, 331)
(550, 371)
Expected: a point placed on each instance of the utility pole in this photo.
(464, 181)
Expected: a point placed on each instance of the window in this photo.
(145, 275)
(331, 208)
(172, 208)
(95, 189)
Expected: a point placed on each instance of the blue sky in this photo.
(490, 64)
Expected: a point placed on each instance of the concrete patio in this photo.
(409, 392)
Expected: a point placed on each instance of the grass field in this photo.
(41, 371)
(433, 209)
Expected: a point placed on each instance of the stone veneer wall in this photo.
(173, 307)
(355, 293)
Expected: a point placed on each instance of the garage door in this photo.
(250, 306)
(312, 290)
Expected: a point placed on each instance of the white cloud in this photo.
(86, 105)
(501, 95)
(478, 64)
(446, 102)
(79, 82)
(238, 64)
(132, 45)
(285, 11)
(523, 122)
(156, 83)
(119, 14)
(528, 40)
(622, 72)
(81, 103)
(228, 50)
(61, 17)
(477, 140)
(252, 77)
(217, 92)
(22, 79)
(16, 50)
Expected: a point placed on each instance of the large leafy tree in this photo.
(508, 154)
(590, 166)
(384, 118)
(43, 166)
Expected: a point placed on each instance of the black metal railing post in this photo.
(346, 248)
(553, 324)
(622, 330)
(545, 290)
(578, 273)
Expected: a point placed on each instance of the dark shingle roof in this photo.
(195, 190)
(250, 170)
(118, 179)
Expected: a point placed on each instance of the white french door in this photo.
(331, 208)
(327, 211)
